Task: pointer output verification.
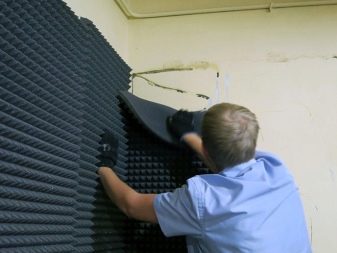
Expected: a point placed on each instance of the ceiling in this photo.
(161, 8)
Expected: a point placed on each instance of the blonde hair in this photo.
(229, 134)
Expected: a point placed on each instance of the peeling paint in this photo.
(179, 66)
(282, 58)
(195, 65)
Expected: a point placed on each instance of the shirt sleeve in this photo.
(178, 212)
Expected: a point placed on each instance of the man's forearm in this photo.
(194, 141)
(117, 190)
(133, 204)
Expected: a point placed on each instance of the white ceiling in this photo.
(160, 8)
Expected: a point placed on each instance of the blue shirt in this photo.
(251, 207)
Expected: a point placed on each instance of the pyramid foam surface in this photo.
(154, 166)
(59, 81)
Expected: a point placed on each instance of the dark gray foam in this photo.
(153, 116)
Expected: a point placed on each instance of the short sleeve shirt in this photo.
(252, 207)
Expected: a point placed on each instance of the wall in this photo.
(108, 18)
(281, 64)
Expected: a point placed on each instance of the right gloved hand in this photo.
(181, 123)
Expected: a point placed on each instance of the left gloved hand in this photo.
(108, 150)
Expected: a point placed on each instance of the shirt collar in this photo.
(238, 170)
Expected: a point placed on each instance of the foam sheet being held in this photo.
(153, 116)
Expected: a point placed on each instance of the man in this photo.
(249, 204)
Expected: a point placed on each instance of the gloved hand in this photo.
(108, 150)
(180, 123)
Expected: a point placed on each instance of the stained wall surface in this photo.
(281, 64)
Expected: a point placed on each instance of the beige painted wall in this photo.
(108, 18)
(282, 65)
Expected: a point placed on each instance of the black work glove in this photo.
(108, 150)
(180, 123)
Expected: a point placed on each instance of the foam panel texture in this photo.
(59, 81)
(59, 85)
(154, 166)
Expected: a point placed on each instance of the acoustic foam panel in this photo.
(154, 166)
(106, 75)
(153, 116)
(59, 80)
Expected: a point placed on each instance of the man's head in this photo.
(229, 135)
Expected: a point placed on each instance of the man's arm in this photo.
(181, 125)
(133, 204)
(194, 141)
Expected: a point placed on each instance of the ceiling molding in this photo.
(126, 8)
